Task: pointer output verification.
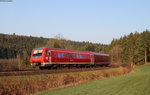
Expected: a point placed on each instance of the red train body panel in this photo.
(51, 56)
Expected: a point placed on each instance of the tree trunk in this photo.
(145, 55)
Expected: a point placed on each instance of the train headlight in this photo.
(46, 58)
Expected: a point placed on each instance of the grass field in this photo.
(137, 83)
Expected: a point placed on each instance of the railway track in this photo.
(51, 71)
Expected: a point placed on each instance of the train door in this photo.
(92, 58)
(71, 57)
(48, 54)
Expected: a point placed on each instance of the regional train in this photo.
(53, 57)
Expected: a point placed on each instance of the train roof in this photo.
(104, 54)
(87, 52)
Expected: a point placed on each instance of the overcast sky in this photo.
(97, 21)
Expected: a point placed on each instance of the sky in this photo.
(97, 21)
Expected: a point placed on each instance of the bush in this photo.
(8, 64)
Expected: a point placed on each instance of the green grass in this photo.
(137, 83)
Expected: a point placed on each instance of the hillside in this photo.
(12, 46)
(132, 48)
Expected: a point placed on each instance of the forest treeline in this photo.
(13, 46)
(132, 48)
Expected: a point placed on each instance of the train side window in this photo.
(101, 57)
(66, 55)
(74, 55)
(86, 56)
(71, 56)
(59, 54)
(63, 55)
(55, 54)
(78, 56)
(83, 56)
(106, 57)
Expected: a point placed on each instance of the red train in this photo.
(49, 57)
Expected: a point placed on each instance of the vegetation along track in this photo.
(51, 71)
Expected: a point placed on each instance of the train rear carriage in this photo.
(101, 59)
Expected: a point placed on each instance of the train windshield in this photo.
(37, 53)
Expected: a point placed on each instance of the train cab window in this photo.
(59, 54)
(37, 53)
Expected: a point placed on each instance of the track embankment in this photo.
(25, 85)
(50, 71)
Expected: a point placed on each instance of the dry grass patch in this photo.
(21, 85)
(8, 64)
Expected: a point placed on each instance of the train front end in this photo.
(40, 57)
(36, 57)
